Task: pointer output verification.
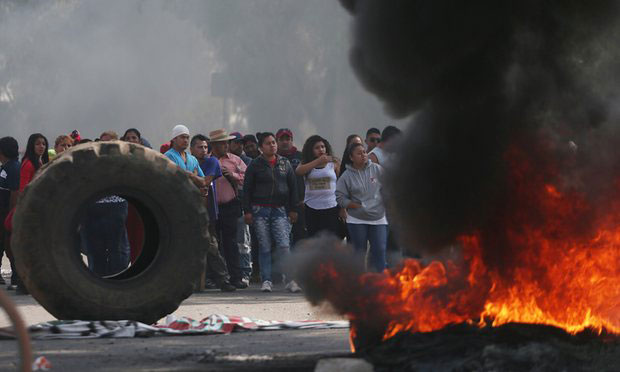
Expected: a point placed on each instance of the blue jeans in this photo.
(245, 248)
(104, 238)
(361, 234)
(271, 226)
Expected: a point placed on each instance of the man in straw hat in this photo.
(229, 204)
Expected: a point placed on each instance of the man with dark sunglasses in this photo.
(373, 137)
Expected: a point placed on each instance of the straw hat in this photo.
(220, 135)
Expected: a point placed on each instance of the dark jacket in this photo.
(265, 185)
(294, 157)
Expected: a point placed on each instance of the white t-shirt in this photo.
(321, 187)
(383, 157)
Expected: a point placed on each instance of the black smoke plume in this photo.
(482, 78)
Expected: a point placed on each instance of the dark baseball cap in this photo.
(237, 135)
(249, 138)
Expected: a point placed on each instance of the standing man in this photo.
(217, 273)
(229, 204)
(179, 155)
(103, 232)
(236, 147)
(250, 146)
(383, 152)
(9, 189)
(251, 150)
(284, 136)
(373, 137)
(383, 155)
(244, 238)
(182, 158)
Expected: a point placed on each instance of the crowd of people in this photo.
(262, 194)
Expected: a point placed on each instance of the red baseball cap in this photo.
(284, 132)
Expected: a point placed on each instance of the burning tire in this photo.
(46, 242)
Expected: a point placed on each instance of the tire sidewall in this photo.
(44, 238)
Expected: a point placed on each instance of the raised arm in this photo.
(303, 169)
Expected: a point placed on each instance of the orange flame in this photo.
(571, 287)
(562, 269)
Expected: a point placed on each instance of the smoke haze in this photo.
(486, 77)
(113, 65)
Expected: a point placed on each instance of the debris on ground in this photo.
(41, 364)
(213, 324)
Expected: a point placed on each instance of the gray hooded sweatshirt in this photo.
(363, 187)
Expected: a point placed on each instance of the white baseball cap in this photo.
(178, 130)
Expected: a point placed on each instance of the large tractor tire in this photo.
(46, 243)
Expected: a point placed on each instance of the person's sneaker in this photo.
(210, 284)
(292, 287)
(2, 281)
(239, 284)
(267, 286)
(21, 290)
(11, 287)
(246, 281)
(227, 287)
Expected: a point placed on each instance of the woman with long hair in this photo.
(270, 203)
(132, 135)
(35, 156)
(359, 191)
(320, 169)
(352, 138)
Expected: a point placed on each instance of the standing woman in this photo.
(132, 135)
(134, 223)
(36, 155)
(269, 202)
(359, 191)
(352, 138)
(320, 170)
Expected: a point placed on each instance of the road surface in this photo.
(260, 350)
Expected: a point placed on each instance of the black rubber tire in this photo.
(46, 244)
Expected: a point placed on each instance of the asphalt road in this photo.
(251, 302)
(260, 350)
(266, 350)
